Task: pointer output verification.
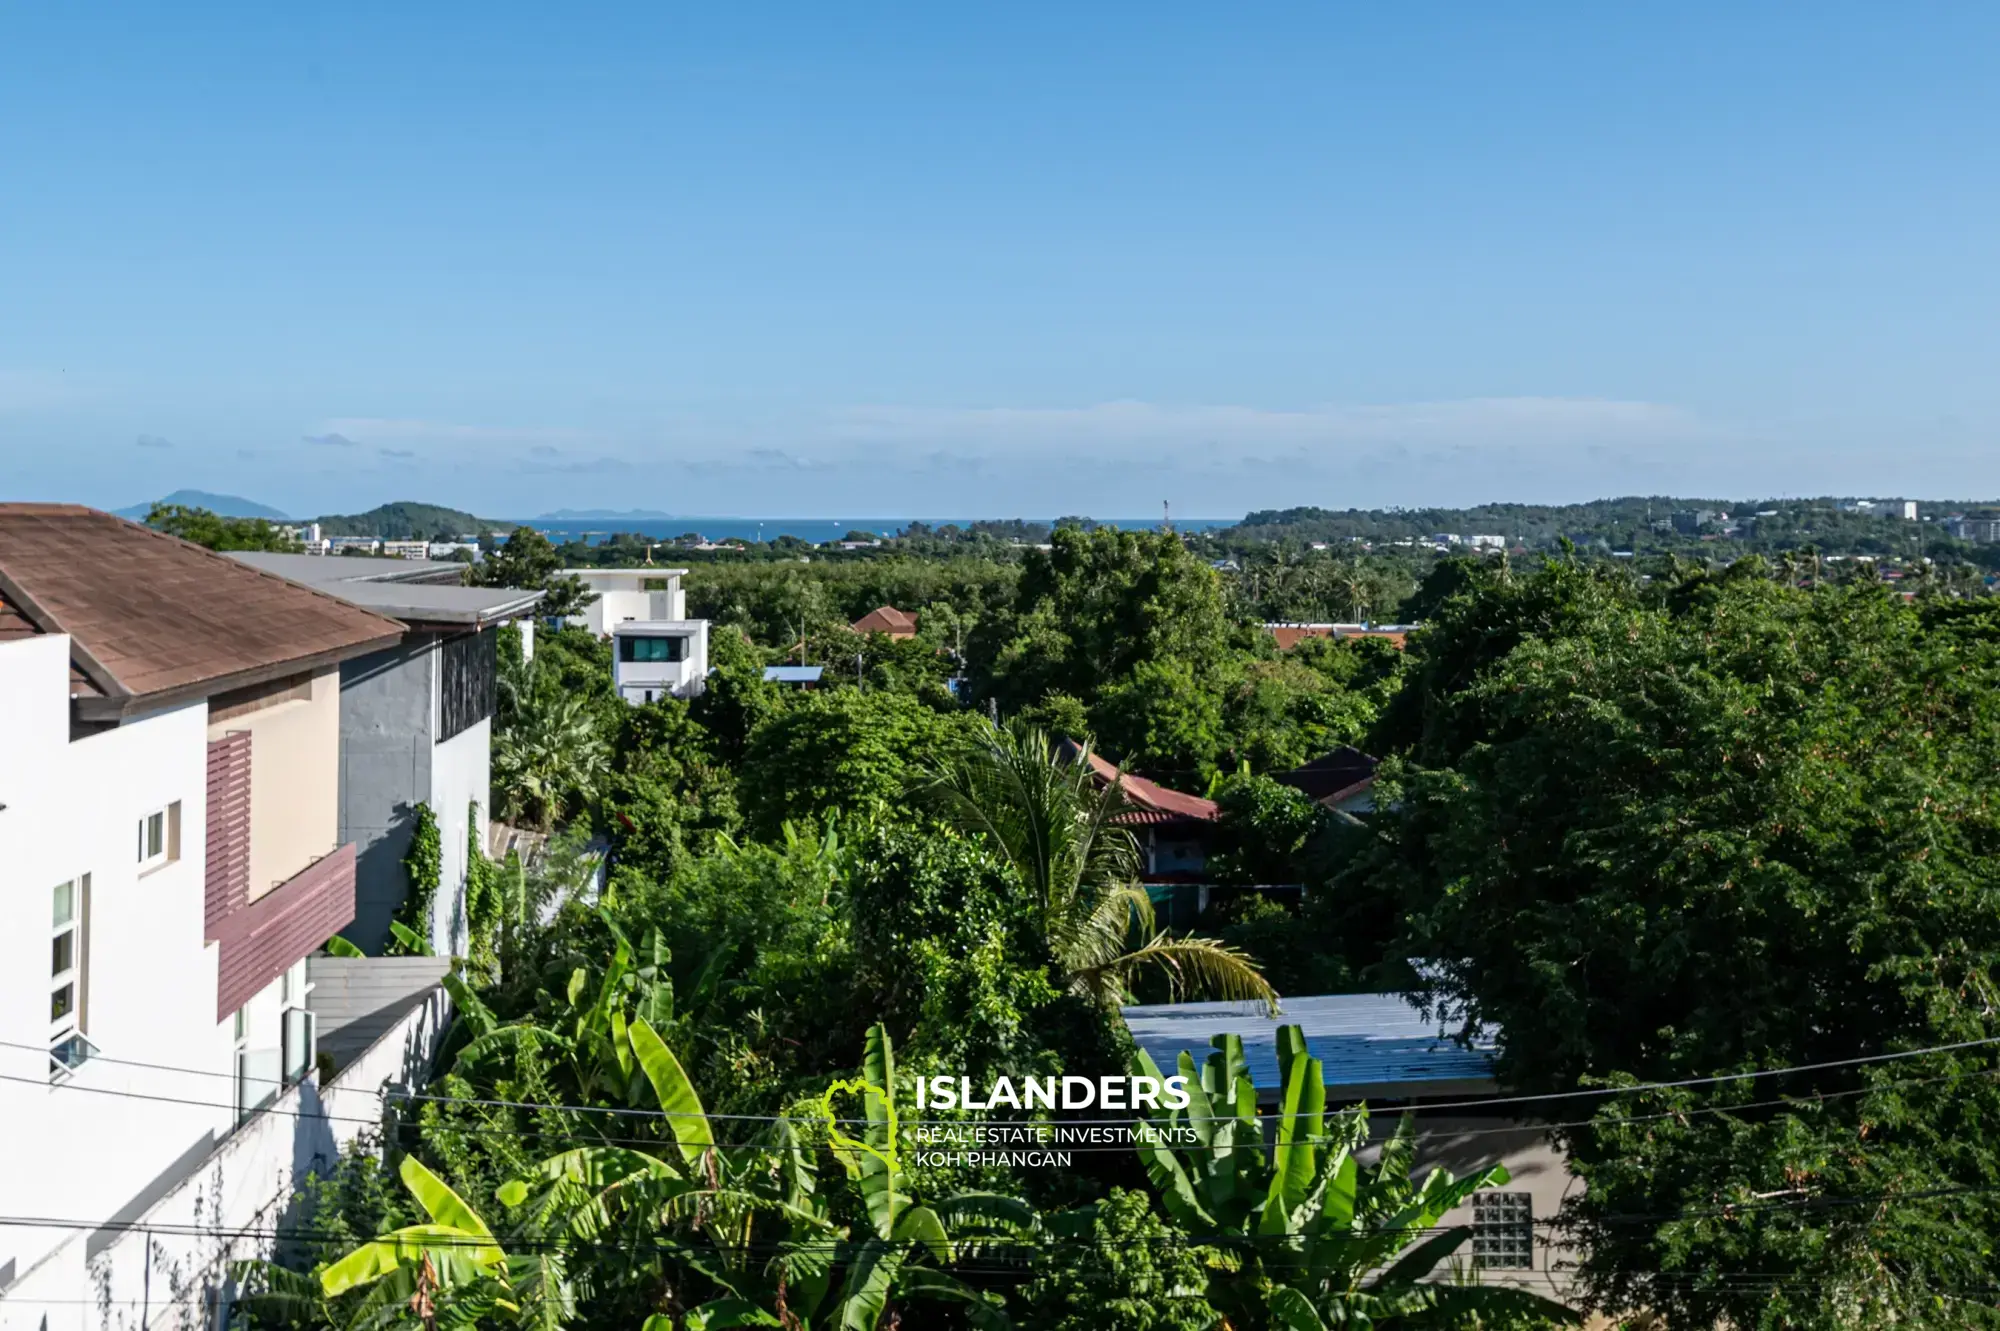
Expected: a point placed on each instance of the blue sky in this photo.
(1034, 258)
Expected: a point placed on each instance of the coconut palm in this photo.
(1044, 811)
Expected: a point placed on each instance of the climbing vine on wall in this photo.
(424, 863)
(482, 902)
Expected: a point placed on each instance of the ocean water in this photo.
(816, 530)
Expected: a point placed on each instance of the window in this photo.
(153, 839)
(160, 837)
(1503, 1230)
(69, 910)
(631, 647)
(299, 1037)
(258, 1071)
(468, 682)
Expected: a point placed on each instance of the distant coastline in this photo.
(816, 530)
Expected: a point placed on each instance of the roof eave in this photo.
(484, 617)
(134, 704)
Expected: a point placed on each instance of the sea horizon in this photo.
(816, 530)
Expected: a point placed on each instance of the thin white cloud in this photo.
(404, 430)
(1114, 426)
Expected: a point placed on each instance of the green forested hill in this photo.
(406, 520)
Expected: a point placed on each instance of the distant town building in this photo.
(1689, 521)
(1982, 528)
(407, 549)
(367, 545)
(1909, 510)
(1487, 542)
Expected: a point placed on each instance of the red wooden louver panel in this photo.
(262, 940)
(228, 870)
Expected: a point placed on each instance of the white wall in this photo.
(622, 596)
(78, 1150)
(168, 1266)
(461, 776)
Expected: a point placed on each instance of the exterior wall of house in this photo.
(1469, 1143)
(623, 596)
(1536, 1170)
(79, 1148)
(168, 1267)
(460, 779)
(683, 678)
(388, 712)
(294, 780)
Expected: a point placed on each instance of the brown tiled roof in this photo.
(1152, 803)
(153, 619)
(1291, 635)
(887, 619)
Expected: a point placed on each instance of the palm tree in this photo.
(1046, 814)
(548, 758)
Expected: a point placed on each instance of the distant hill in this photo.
(223, 506)
(406, 521)
(604, 514)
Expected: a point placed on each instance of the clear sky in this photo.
(986, 260)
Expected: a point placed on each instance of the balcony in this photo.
(260, 940)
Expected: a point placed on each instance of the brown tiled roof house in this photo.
(887, 619)
(155, 621)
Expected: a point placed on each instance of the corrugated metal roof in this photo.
(794, 674)
(358, 998)
(1362, 1039)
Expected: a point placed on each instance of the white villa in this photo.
(658, 652)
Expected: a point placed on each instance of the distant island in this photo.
(406, 520)
(223, 506)
(604, 515)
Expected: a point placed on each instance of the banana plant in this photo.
(449, 1271)
(1324, 1240)
(589, 1035)
(752, 1219)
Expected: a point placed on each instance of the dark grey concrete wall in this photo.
(386, 723)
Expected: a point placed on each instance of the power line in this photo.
(1427, 1107)
(951, 1145)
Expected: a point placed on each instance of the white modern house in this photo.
(657, 651)
(651, 594)
(653, 659)
(415, 727)
(170, 857)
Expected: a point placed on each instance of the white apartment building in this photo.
(169, 858)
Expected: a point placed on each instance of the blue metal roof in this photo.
(1361, 1039)
(793, 674)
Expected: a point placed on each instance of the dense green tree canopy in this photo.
(202, 527)
(527, 560)
(843, 749)
(1680, 830)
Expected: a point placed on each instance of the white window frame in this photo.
(297, 1035)
(154, 858)
(69, 1047)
